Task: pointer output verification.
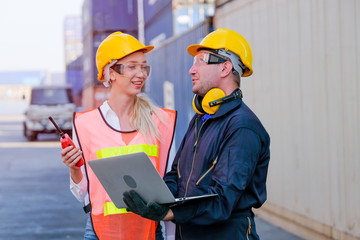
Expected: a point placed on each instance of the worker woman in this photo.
(126, 123)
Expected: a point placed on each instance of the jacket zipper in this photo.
(192, 165)
(181, 237)
(248, 232)
(178, 168)
(213, 165)
(195, 149)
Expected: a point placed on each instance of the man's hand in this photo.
(151, 210)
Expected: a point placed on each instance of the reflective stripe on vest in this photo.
(110, 208)
(150, 150)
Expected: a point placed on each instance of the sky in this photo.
(31, 34)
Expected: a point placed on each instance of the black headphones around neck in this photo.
(212, 100)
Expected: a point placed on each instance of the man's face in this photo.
(204, 76)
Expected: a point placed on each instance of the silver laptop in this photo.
(134, 172)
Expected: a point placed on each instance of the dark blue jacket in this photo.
(228, 154)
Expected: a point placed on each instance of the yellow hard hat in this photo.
(116, 46)
(230, 41)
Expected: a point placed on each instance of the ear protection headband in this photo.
(212, 100)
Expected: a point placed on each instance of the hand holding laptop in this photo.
(151, 210)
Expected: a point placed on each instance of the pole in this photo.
(141, 30)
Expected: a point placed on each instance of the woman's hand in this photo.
(70, 156)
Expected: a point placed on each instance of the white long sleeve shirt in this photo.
(80, 190)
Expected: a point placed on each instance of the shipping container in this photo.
(153, 8)
(74, 78)
(109, 15)
(89, 64)
(305, 89)
(170, 84)
(158, 21)
(73, 56)
(189, 13)
(72, 38)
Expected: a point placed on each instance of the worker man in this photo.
(225, 149)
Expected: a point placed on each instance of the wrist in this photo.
(76, 175)
(169, 216)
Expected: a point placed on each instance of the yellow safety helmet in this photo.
(230, 41)
(116, 46)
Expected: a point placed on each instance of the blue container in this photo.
(158, 22)
(170, 66)
(109, 15)
(74, 76)
(154, 8)
(89, 65)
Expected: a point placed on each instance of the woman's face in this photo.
(129, 74)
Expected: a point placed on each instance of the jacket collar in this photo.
(225, 108)
(228, 107)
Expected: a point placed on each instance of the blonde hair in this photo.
(142, 119)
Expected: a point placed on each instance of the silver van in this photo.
(54, 101)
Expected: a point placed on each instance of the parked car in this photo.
(56, 102)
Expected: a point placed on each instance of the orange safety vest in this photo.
(98, 140)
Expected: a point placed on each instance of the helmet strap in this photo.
(238, 65)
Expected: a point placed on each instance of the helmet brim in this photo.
(147, 48)
(194, 49)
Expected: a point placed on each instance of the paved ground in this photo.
(267, 231)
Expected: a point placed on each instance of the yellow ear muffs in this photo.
(212, 95)
(196, 103)
(201, 105)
